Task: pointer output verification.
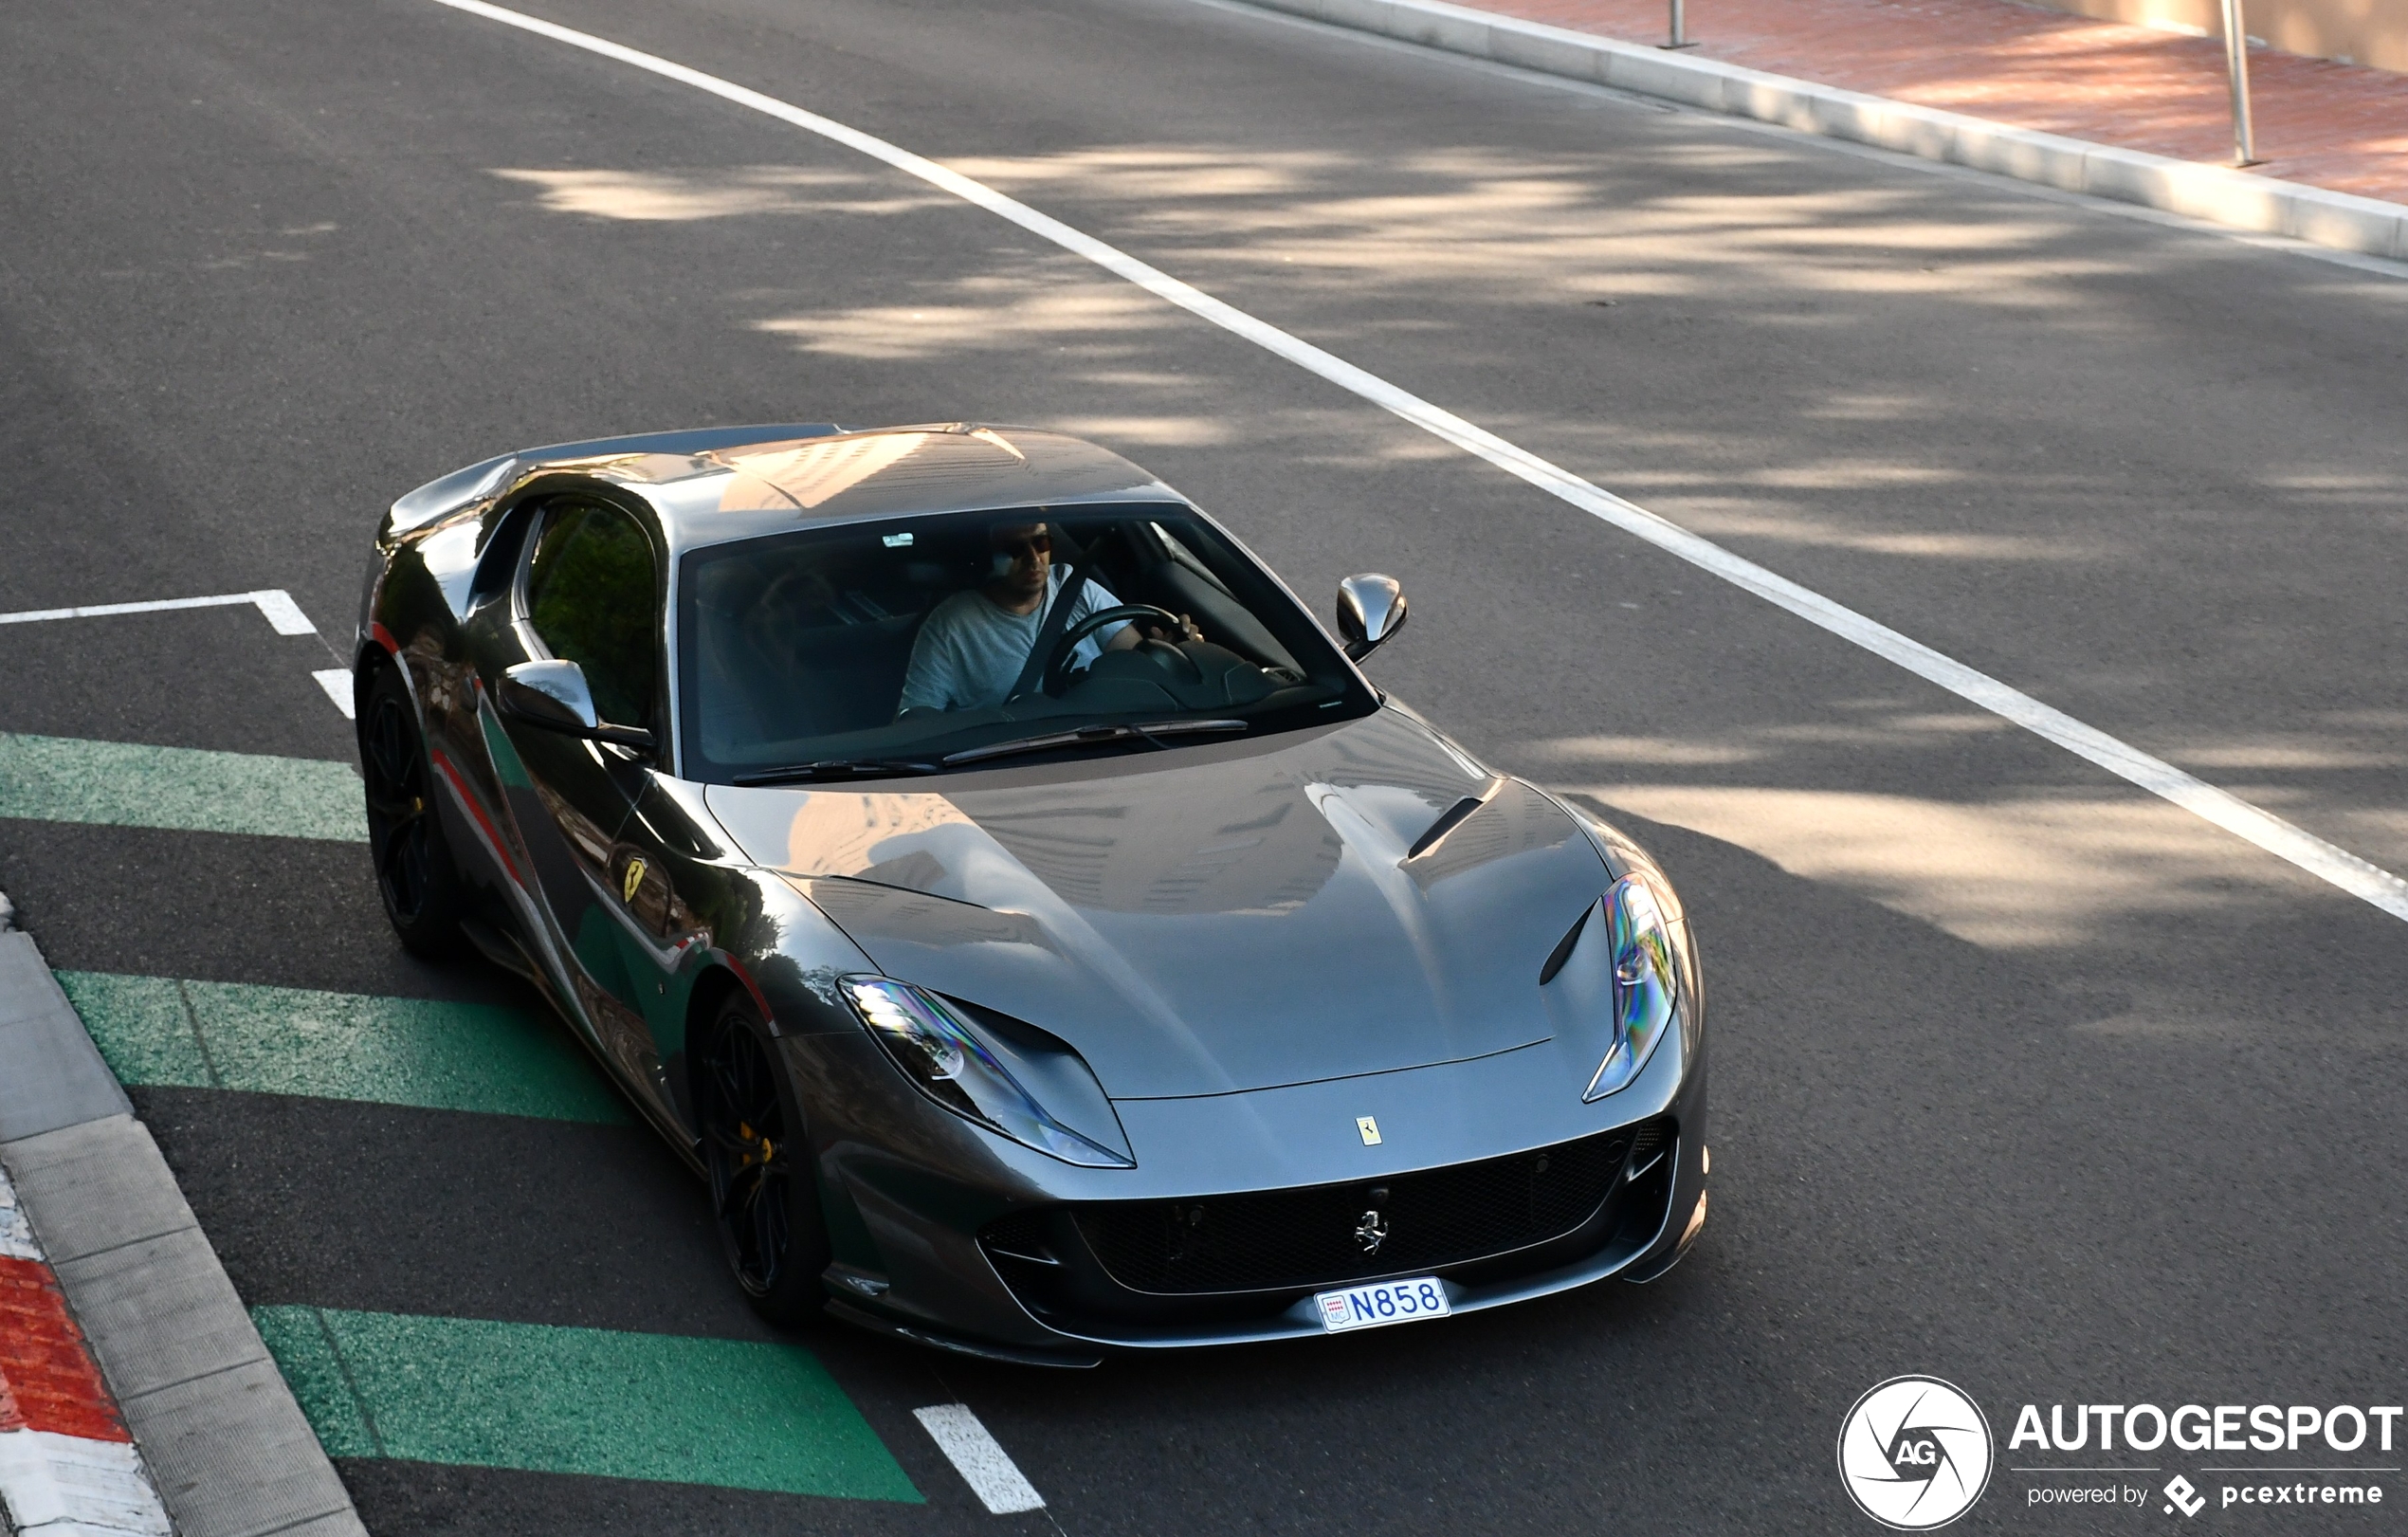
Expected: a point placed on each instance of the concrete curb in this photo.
(2215, 194)
(68, 1466)
(222, 1437)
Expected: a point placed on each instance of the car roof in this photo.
(710, 492)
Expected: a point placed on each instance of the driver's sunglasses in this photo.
(1028, 544)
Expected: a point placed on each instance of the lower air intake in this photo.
(1325, 1234)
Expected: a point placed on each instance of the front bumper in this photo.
(911, 1259)
(1078, 1295)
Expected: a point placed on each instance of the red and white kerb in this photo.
(67, 1465)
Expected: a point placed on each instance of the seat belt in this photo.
(1057, 619)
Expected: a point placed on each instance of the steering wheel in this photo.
(1057, 665)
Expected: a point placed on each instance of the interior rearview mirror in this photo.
(1371, 608)
(554, 695)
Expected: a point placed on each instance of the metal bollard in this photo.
(1680, 27)
(2235, 67)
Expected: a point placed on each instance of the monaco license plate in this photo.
(1387, 1302)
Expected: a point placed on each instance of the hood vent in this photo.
(1564, 947)
(1448, 821)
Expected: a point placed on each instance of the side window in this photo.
(590, 595)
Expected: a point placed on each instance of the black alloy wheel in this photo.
(763, 1191)
(415, 875)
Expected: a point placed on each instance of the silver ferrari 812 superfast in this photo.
(1026, 919)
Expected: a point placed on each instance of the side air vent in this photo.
(1646, 1148)
(1023, 1235)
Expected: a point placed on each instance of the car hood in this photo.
(1216, 918)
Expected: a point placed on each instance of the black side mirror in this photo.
(554, 696)
(1370, 609)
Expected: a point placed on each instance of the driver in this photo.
(975, 644)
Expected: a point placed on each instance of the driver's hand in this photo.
(1188, 631)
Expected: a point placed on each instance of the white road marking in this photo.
(2327, 862)
(274, 602)
(986, 1467)
(16, 1234)
(69, 1483)
(338, 685)
(283, 612)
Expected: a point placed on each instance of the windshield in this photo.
(889, 646)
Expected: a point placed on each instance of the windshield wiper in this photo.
(837, 768)
(1082, 735)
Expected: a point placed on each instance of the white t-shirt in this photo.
(970, 652)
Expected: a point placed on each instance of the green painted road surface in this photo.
(124, 785)
(163, 1031)
(668, 1408)
(466, 1392)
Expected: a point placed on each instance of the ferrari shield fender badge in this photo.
(634, 879)
(1370, 1129)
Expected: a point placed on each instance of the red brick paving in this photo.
(2338, 127)
(47, 1378)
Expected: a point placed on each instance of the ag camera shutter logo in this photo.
(1915, 1453)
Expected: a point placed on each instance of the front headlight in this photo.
(947, 1061)
(1645, 989)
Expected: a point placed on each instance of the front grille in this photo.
(1318, 1235)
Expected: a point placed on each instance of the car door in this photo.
(589, 592)
(663, 863)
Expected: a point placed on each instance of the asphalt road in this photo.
(2022, 1078)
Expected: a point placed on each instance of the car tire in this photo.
(416, 879)
(764, 1182)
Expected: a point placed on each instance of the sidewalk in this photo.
(119, 1327)
(2341, 127)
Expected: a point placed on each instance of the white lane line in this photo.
(283, 612)
(338, 685)
(2327, 862)
(274, 602)
(985, 1466)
